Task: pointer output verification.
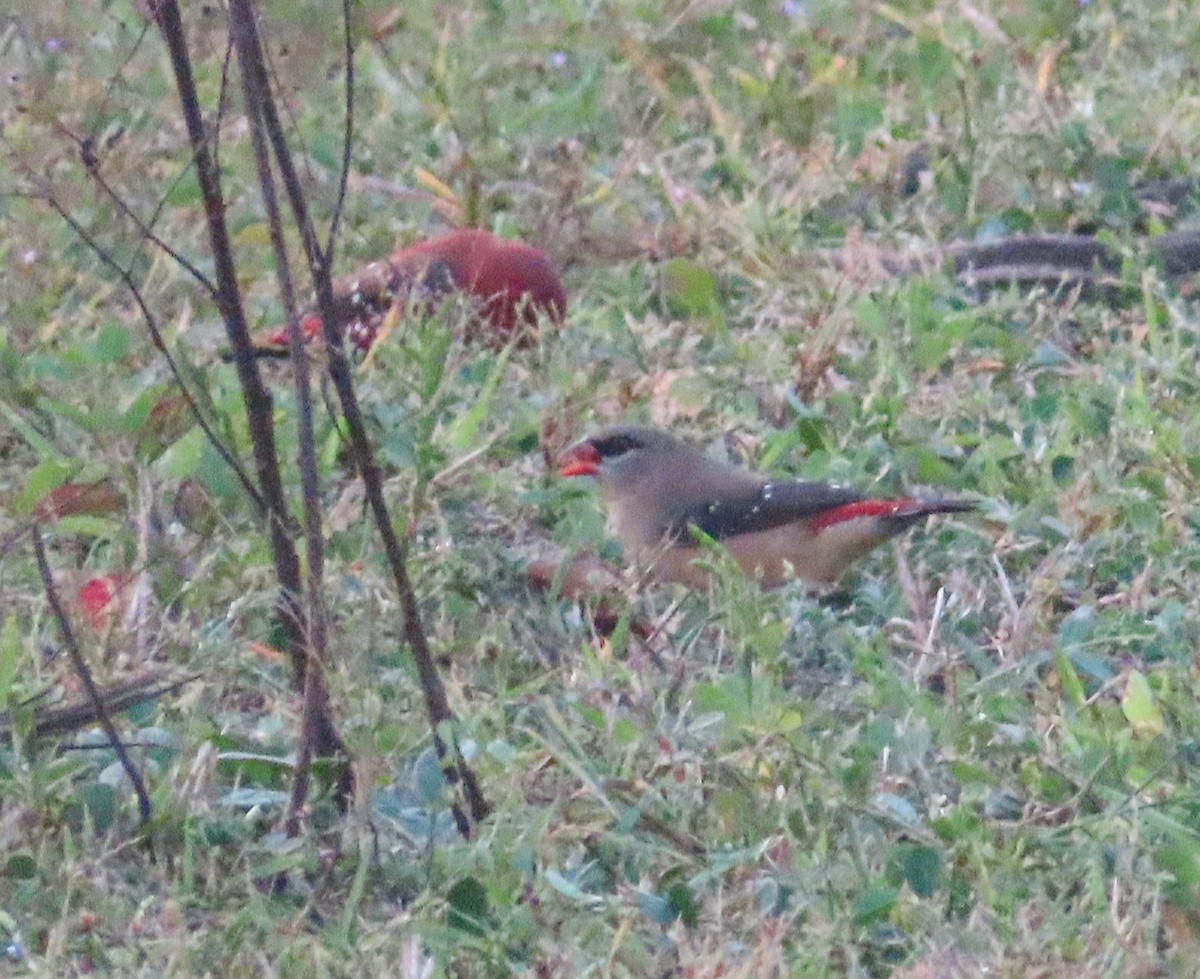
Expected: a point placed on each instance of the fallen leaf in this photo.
(70, 499)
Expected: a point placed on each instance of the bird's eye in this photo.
(615, 445)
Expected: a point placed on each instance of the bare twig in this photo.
(348, 136)
(114, 698)
(441, 718)
(316, 695)
(160, 345)
(92, 166)
(89, 685)
(229, 301)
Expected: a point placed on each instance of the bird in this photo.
(659, 491)
(512, 282)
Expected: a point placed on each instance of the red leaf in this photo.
(99, 598)
(70, 499)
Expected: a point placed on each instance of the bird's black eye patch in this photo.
(611, 446)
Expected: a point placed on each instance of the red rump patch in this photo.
(865, 508)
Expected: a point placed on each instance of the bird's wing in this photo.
(757, 507)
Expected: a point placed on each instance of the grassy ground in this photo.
(981, 759)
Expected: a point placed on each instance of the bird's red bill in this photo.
(579, 460)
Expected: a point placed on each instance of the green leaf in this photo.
(464, 433)
(618, 640)
(1181, 859)
(112, 344)
(657, 908)
(255, 768)
(181, 459)
(468, 906)
(683, 903)
(874, 904)
(1145, 719)
(926, 467)
(431, 782)
(1071, 685)
(1047, 354)
(249, 798)
(185, 191)
(42, 478)
(10, 646)
(435, 356)
(922, 866)
(871, 315)
(21, 866)
(766, 641)
(570, 889)
(856, 116)
(690, 290)
(36, 441)
(931, 63)
(89, 526)
(99, 802)
(213, 471)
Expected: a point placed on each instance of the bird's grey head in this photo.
(618, 456)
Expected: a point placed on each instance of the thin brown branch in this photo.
(94, 693)
(65, 718)
(160, 345)
(118, 76)
(316, 696)
(441, 718)
(92, 165)
(339, 203)
(229, 301)
(222, 103)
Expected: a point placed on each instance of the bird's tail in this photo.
(900, 513)
(912, 511)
